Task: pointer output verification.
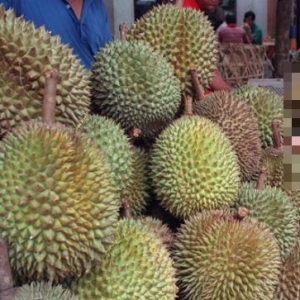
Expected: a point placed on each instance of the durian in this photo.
(220, 258)
(58, 202)
(296, 57)
(139, 190)
(266, 106)
(134, 85)
(25, 54)
(194, 167)
(137, 266)
(288, 287)
(185, 37)
(113, 142)
(273, 207)
(232, 114)
(43, 291)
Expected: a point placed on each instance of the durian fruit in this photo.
(273, 207)
(43, 291)
(161, 230)
(184, 36)
(137, 266)
(288, 287)
(296, 57)
(114, 143)
(25, 54)
(58, 202)
(235, 118)
(194, 167)
(134, 85)
(139, 190)
(266, 106)
(220, 258)
(272, 159)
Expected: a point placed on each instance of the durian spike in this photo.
(123, 29)
(126, 208)
(6, 281)
(261, 179)
(277, 143)
(179, 3)
(49, 99)
(197, 85)
(242, 213)
(188, 106)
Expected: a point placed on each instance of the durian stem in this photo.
(179, 3)
(6, 281)
(197, 85)
(123, 29)
(261, 179)
(277, 143)
(242, 213)
(49, 101)
(134, 134)
(126, 208)
(188, 106)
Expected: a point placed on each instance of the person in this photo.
(215, 16)
(232, 33)
(252, 29)
(217, 82)
(82, 24)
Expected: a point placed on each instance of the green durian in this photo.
(273, 207)
(58, 202)
(26, 53)
(134, 85)
(114, 143)
(182, 35)
(220, 258)
(235, 118)
(137, 266)
(266, 106)
(43, 291)
(194, 167)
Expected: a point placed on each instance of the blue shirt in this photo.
(85, 36)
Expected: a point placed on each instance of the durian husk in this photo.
(194, 167)
(235, 118)
(288, 287)
(43, 290)
(218, 257)
(182, 35)
(267, 106)
(137, 266)
(58, 202)
(26, 53)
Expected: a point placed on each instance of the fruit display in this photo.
(26, 53)
(133, 181)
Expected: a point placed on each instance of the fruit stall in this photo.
(129, 181)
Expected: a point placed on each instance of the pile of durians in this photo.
(127, 182)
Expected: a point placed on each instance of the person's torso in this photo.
(192, 4)
(85, 36)
(232, 35)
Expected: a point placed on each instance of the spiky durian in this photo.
(221, 258)
(266, 106)
(194, 167)
(43, 291)
(235, 118)
(161, 230)
(288, 287)
(139, 190)
(58, 202)
(25, 54)
(113, 142)
(134, 85)
(184, 36)
(137, 266)
(273, 207)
